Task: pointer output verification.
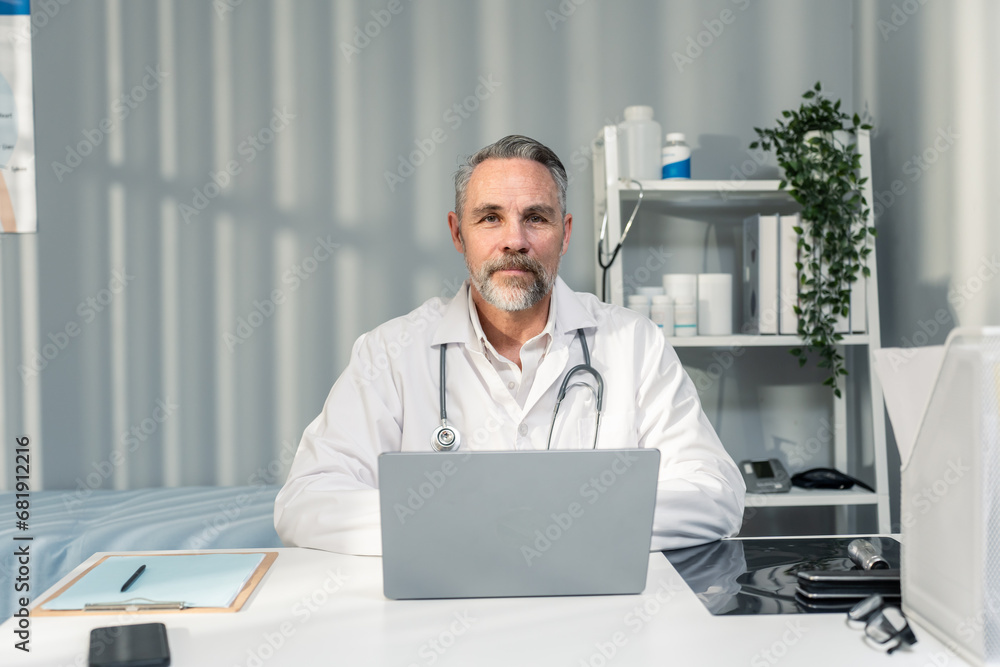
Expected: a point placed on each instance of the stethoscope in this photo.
(446, 437)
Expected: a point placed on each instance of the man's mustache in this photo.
(513, 261)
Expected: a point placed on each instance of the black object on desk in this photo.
(141, 645)
(760, 575)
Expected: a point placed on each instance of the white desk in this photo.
(316, 608)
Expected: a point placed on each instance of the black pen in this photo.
(135, 575)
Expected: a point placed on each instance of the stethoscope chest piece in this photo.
(445, 438)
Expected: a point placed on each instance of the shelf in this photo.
(811, 498)
(744, 340)
(709, 192)
(701, 221)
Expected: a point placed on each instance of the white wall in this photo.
(162, 337)
(927, 73)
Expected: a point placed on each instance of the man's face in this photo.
(511, 232)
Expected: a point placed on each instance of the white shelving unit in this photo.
(858, 439)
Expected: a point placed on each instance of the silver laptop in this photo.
(500, 524)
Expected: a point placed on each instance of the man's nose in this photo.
(515, 237)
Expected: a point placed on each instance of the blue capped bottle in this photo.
(676, 156)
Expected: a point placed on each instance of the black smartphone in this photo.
(142, 645)
(833, 584)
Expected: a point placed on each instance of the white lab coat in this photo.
(388, 400)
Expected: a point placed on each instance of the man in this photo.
(511, 333)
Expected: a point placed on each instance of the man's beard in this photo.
(512, 293)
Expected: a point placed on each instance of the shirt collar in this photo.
(460, 325)
(545, 334)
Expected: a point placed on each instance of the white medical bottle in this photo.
(685, 318)
(640, 142)
(662, 313)
(676, 156)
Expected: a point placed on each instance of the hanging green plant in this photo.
(821, 172)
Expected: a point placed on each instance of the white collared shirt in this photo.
(388, 400)
(518, 380)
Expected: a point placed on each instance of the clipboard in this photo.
(160, 606)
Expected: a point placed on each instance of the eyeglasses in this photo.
(884, 622)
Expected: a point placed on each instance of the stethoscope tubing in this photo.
(447, 438)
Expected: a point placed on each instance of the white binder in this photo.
(788, 273)
(760, 274)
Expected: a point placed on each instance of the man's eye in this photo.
(491, 218)
(536, 218)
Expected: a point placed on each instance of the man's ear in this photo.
(567, 231)
(455, 225)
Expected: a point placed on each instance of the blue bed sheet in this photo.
(67, 528)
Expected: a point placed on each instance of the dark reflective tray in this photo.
(759, 576)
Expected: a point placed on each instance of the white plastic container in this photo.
(639, 303)
(681, 287)
(715, 304)
(676, 157)
(662, 313)
(685, 319)
(640, 144)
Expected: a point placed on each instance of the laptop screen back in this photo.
(495, 524)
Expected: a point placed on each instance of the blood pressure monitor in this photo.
(765, 476)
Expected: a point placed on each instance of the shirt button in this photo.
(510, 385)
(523, 429)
